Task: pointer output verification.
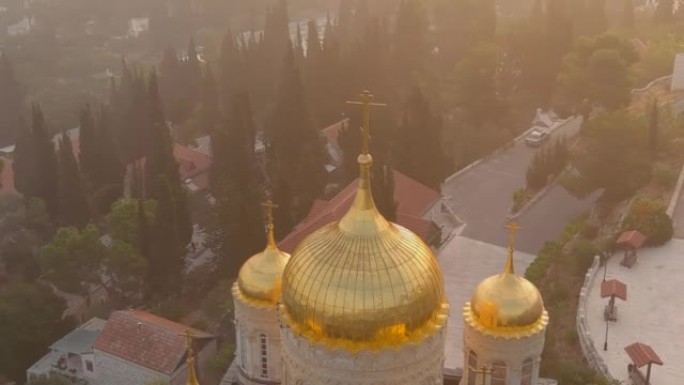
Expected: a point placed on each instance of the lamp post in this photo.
(605, 343)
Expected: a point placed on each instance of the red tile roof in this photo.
(332, 132)
(146, 340)
(642, 354)
(414, 200)
(7, 177)
(632, 238)
(192, 165)
(613, 287)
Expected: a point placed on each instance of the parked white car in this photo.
(536, 137)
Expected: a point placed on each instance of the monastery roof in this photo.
(413, 197)
(146, 340)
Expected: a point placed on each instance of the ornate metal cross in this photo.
(484, 371)
(269, 205)
(366, 104)
(512, 229)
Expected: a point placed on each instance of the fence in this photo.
(586, 342)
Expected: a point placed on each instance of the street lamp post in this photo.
(605, 343)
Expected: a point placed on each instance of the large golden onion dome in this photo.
(363, 281)
(507, 303)
(260, 278)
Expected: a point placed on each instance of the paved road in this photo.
(482, 198)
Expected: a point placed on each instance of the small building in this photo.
(418, 210)
(133, 347)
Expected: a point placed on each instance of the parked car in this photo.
(536, 137)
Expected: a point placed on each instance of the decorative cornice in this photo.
(505, 332)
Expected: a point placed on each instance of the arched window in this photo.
(527, 367)
(472, 368)
(498, 373)
(263, 342)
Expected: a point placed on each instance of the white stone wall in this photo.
(112, 370)
(413, 364)
(251, 321)
(512, 351)
(678, 73)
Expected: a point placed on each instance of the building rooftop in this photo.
(147, 340)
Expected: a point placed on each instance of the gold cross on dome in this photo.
(484, 371)
(188, 339)
(512, 229)
(269, 210)
(366, 103)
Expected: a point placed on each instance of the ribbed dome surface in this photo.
(507, 300)
(260, 278)
(363, 279)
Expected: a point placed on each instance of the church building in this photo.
(361, 301)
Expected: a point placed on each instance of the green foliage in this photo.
(218, 303)
(30, 320)
(649, 216)
(583, 251)
(10, 101)
(657, 60)
(53, 379)
(73, 207)
(596, 70)
(221, 361)
(665, 177)
(73, 257)
(122, 220)
(617, 158)
(519, 198)
(549, 161)
(170, 308)
(536, 271)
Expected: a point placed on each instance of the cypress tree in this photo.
(167, 250)
(231, 71)
(210, 113)
(653, 129)
(382, 185)
(73, 202)
(419, 151)
(25, 163)
(10, 101)
(297, 146)
(45, 182)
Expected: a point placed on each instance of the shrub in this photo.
(590, 231)
(583, 251)
(649, 216)
(665, 177)
(519, 198)
(221, 361)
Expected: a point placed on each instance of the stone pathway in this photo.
(653, 313)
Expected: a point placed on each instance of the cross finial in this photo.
(269, 205)
(366, 103)
(512, 229)
(484, 371)
(188, 341)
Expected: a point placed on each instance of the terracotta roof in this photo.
(613, 287)
(631, 238)
(7, 177)
(642, 354)
(192, 162)
(146, 340)
(332, 132)
(414, 199)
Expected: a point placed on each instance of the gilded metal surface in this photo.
(363, 281)
(260, 278)
(192, 375)
(507, 300)
(504, 332)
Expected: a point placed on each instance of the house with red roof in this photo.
(133, 347)
(418, 210)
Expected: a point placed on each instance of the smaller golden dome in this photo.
(506, 300)
(261, 277)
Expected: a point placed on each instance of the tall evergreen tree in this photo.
(192, 71)
(297, 145)
(10, 101)
(210, 113)
(653, 129)
(382, 184)
(167, 249)
(664, 12)
(73, 202)
(35, 163)
(161, 166)
(419, 152)
(231, 70)
(409, 43)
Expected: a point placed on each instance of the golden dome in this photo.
(507, 302)
(363, 281)
(260, 278)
